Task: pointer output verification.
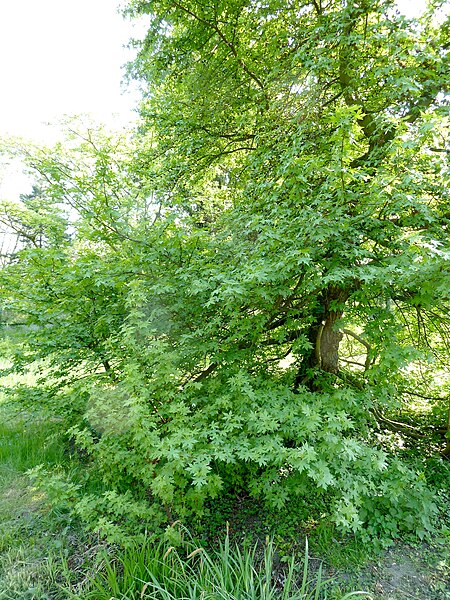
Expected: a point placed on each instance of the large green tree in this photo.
(310, 141)
(325, 126)
(259, 276)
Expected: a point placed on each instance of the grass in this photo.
(36, 543)
(228, 573)
(32, 540)
(25, 444)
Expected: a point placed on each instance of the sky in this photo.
(58, 58)
(61, 57)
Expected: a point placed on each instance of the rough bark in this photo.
(324, 336)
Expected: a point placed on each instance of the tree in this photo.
(271, 249)
(311, 139)
(323, 123)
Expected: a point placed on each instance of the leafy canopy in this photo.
(251, 281)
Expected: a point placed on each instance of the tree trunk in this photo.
(324, 337)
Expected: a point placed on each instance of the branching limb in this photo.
(225, 41)
(397, 426)
(212, 367)
(362, 341)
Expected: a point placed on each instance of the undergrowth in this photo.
(46, 553)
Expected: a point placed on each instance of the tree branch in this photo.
(212, 367)
(364, 343)
(227, 43)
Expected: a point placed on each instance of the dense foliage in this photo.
(239, 294)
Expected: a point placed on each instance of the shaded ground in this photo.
(399, 573)
(404, 572)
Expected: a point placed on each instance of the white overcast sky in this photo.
(60, 57)
(64, 57)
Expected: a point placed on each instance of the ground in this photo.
(402, 572)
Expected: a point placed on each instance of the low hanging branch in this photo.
(364, 342)
(397, 426)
